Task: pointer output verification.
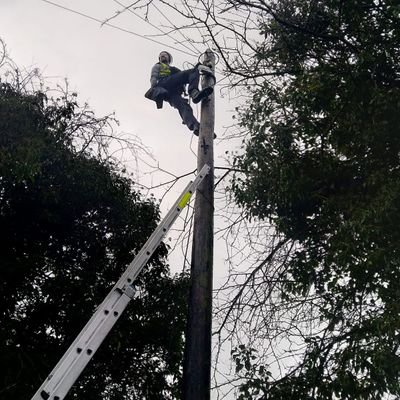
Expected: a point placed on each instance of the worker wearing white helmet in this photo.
(168, 83)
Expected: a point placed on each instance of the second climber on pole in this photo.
(168, 84)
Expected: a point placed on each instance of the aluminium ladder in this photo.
(73, 362)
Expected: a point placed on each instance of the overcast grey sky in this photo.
(110, 70)
(107, 67)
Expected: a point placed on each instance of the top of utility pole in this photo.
(207, 108)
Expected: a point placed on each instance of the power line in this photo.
(116, 27)
(127, 8)
(174, 25)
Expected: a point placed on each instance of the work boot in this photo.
(197, 95)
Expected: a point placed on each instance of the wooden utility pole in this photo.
(197, 362)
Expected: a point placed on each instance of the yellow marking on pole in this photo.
(184, 200)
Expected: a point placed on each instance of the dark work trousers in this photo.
(185, 111)
(174, 84)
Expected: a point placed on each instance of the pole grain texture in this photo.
(197, 359)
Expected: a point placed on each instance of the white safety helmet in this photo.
(169, 56)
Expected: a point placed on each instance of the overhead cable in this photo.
(126, 8)
(116, 27)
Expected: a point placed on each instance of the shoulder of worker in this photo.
(155, 71)
(156, 67)
(155, 74)
(174, 70)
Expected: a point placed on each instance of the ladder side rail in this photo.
(75, 362)
(82, 348)
(150, 246)
(107, 306)
(87, 342)
(116, 292)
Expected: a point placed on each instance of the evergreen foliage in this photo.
(322, 164)
(70, 223)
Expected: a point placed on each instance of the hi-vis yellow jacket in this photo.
(160, 71)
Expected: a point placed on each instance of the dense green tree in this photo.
(322, 164)
(70, 222)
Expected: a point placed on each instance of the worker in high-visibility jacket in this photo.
(168, 83)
